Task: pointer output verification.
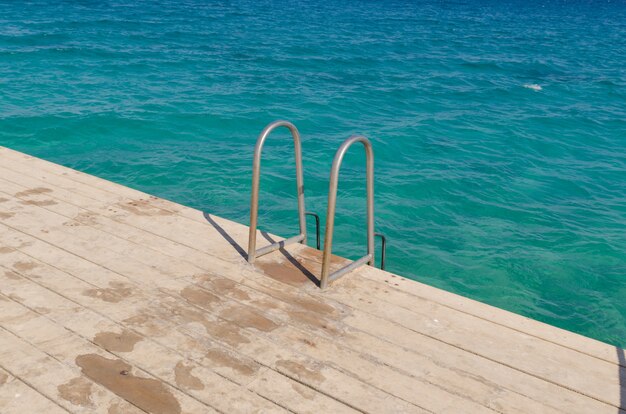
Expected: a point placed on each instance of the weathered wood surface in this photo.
(115, 301)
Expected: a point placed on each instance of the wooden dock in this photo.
(114, 301)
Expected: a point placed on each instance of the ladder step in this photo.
(332, 202)
(254, 197)
(326, 276)
(347, 269)
(279, 245)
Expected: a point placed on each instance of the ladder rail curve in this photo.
(253, 253)
(326, 276)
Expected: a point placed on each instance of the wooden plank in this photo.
(101, 367)
(600, 387)
(466, 385)
(171, 311)
(411, 290)
(517, 322)
(174, 369)
(141, 350)
(59, 382)
(15, 395)
(142, 211)
(497, 360)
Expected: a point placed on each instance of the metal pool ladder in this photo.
(330, 214)
(253, 253)
(326, 277)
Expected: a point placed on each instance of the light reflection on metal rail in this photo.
(330, 214)
(254, 201)
(383, 249)
(317, 227)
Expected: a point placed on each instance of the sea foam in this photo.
(533, 86)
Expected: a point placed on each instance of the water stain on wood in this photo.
(24, 266)
(185, 379)
(115, 375)
(198, 296)
(3, 378)
(5, 216)
(77, 391)
(6, 250)
(3, 200)
(225, 331)
(247, 318)
(114, 294)
(284, 272)
(33, 191)
(143, 207)
(116, 408)
(227, 287)
(42, 310)
(224, 359)
(312, 320)
(303, 373)
(39, 203)
(299, 267)
(302, 310)
(12, 275)
(117, 342)
(314, 306)
(265, 303)
(140, 319)
(305, 392)
(148, 323)
(16, 298)
(164, 204)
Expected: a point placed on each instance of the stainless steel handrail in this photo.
(330, 214)
(317, 227)
(383, 249)
(254, 199)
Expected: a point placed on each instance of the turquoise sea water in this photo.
(499, 127)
